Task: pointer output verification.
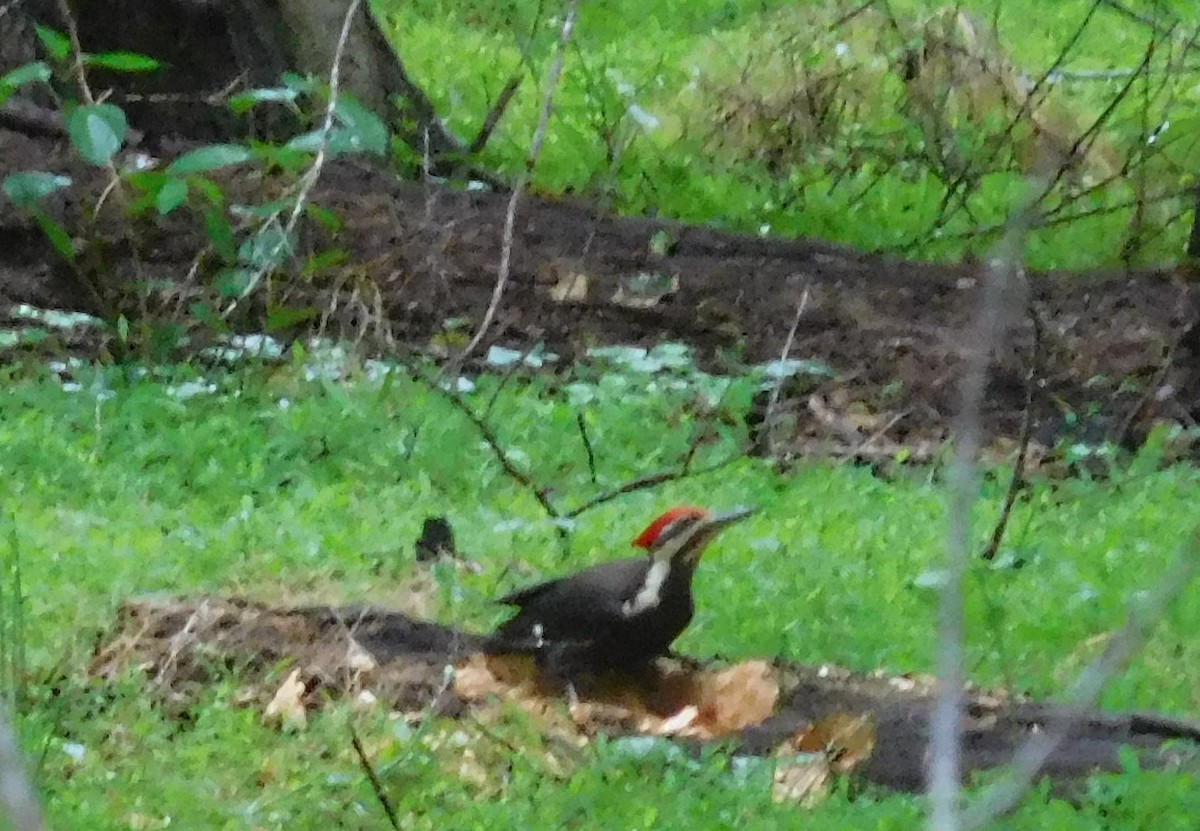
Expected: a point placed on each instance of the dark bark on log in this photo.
(178, 643)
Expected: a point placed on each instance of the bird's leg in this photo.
(565, 664)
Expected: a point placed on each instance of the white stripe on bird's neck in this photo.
(661, 563)
(650, 594)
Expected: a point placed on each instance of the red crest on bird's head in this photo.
(647, 538)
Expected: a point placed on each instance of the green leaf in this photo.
(220, 234)
(57, 235)
(56, 43)
(208, 188)
(326, 218)
(367, 131)
(123, 61)
(213, 157)
(122, 328)
(267, 249)
(300, 83)
(171, 195)
(205, 314)
(28, 187)
(97, 131)
(284, 318)
(233, 282)
(288, 160)
(245, 101)
(147, 184)
(341, 142)
(324, 260)
(10, 82)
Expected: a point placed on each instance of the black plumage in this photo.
(618, 614)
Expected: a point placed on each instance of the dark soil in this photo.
(1119, 351)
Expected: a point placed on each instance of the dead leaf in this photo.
(572, 287)
(645, 291)
(480, 676)
(287, 707)
(846, 740)
(678, 723)
(735, 698)
(861, 416)
(803, 783)
(359, 659)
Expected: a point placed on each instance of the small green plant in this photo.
(247, 244)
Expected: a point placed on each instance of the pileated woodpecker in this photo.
(619, 614)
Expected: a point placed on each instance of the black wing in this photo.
(572, 607)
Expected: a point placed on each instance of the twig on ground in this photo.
(1122, 431)
(508, 376)
(945, 767)
(506, 463)
(773, 400)
(496, 112)
(1150, 22)
(1029, 760)
(878, 434)
(649, 481)
(683, 471)
(311, 176)
(535, 149)
(373, 778)
(1018, 475)
(587, 446)
(853, 13)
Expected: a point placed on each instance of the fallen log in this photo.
(181, 645)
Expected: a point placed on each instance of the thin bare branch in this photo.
(16, 792)
(1160, 375)
(535, 150)
(496, 112)
(956, 191)
(373, 778)
(587, 445)
(1088, 135)
(1018, 475)
(945, 728)
(77, 67)
(312, 175)
(773, 401)
(650, 481)
(506, 463)
(1149, 22)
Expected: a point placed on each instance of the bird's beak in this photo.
(717, 522)
(711, 527)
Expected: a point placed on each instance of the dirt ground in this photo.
(1118, 351)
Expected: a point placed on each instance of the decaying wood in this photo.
(181, 645)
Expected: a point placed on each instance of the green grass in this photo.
(321, 498)
(848, 188)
